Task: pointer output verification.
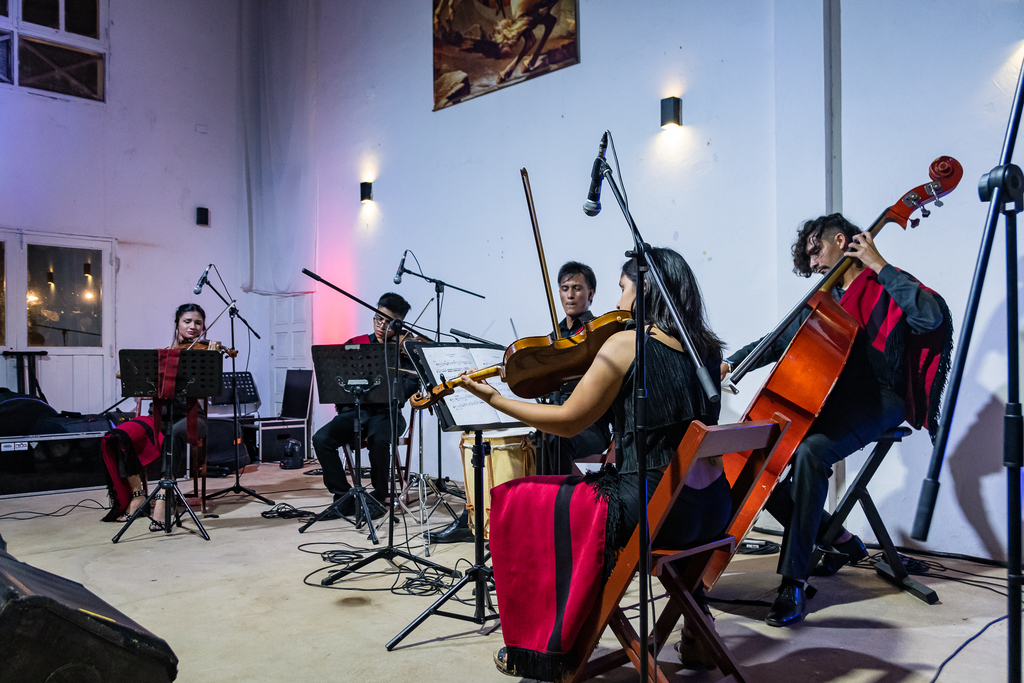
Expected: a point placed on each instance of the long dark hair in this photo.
(182, 310)
(684, 291)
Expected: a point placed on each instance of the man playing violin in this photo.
(576, 287)
(375, 422)
(884, 382)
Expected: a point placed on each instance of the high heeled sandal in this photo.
(129, 512)
(155, 524)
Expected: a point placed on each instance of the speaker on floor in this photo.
(53, 630)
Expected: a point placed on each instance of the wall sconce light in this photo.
(671, 112)
(87, 270)
(202, 216)
(365, 192)
(49, 277)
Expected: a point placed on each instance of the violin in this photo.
(535, 366)
(205, 345)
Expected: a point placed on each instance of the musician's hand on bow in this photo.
(862, 247)
(481, 389)
(725, 369)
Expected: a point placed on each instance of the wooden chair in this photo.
(402, 465)
(682, 577)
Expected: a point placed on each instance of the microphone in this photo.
(401, 268)
(592, 206)
(202, 280)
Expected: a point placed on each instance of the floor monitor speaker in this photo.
(53, 630)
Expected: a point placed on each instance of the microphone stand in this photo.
(1002, 185)
(236, 442)
(644, 265)
(439, 286)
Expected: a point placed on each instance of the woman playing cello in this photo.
(675, 399)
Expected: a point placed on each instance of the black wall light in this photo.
(365, 192)
(671, 112)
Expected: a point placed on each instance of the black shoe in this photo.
(849, 551)
(789, 607)
(453, 533)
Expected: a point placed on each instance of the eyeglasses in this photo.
(378, 321)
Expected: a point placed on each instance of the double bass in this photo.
(804, 377)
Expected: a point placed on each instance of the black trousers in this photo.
(178, 443)
(855, 415)
(698, 515)
(376, 429)
(561, 450)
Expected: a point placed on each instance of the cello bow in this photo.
(945, 173)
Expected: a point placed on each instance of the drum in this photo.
(512, 457)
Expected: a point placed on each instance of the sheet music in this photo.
(465, 407)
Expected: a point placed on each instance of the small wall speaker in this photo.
(203, 216)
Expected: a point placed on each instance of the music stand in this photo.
(479, 574)
(389, 552)
(352, 374)
(198, 375)
(239, 389)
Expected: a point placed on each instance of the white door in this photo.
(58, 297)
(292, 326)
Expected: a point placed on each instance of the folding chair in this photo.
(891, 568)
(756, 440)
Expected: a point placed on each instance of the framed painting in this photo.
(483, 45)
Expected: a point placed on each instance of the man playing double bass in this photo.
(895, 372)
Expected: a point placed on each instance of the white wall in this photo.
(135, 167)
(923, 80)
(727, 190)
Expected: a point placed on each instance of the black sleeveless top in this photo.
(674, 399)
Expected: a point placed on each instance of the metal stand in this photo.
(357, 491)
(237, 441)
(1000, 187)
(390, 552)
(479, 574)
(644, 266)
(439, 286)
(140, 378)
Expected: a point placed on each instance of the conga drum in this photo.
(512, 457)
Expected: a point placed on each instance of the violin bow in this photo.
(540, 251)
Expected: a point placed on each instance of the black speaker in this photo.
(53, 630)
(203, 216)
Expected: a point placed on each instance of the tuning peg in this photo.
(914, 222)
(925, 212)
(933, 191)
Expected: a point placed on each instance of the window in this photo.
(65, 296)
(58, 46)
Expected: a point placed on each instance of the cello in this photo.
(803, 378)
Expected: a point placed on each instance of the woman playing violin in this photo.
(675, 398)
(189, 326)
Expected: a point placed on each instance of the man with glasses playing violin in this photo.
(375, 422)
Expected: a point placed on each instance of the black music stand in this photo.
(240, 389)
(389, 552)
(479, 574)
(352, 374)
(199, 375)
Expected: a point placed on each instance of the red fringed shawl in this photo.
(917, 362)
(135, 443)
(548, 552)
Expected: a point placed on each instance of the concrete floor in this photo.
(240, 607)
